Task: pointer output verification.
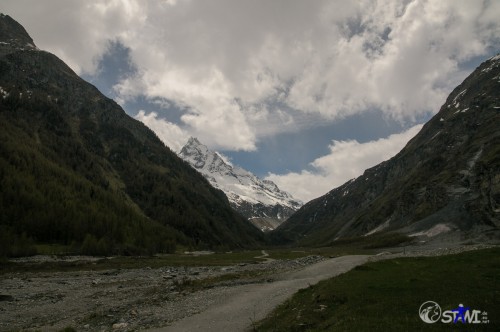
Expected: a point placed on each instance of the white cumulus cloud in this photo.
(172, 135)
(346, 160)
(234, 67)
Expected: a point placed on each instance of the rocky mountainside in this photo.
(261, 201)
(444, 183)
(77, 171)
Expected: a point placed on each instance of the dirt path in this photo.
(246, 304)
(265, 256)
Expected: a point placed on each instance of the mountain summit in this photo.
(445, 184)
(13, 35)
(261, 201)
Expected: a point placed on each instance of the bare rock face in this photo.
(446, 180)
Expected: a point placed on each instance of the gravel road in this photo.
(245, 304)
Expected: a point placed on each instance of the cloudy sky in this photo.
(306, 93)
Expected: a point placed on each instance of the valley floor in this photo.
(199, 298)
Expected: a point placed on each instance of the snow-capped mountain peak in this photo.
(248, 194)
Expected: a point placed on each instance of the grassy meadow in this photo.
(386, 296)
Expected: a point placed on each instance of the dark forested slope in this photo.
(74, 168)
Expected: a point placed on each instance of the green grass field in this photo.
(386, 296)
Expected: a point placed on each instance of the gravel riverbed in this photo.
(128, 299)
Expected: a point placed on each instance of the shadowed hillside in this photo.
(76, 170)
(446, 181)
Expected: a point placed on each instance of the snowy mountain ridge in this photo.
(248, 194)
